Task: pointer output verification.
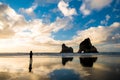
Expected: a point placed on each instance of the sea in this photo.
(56, 66)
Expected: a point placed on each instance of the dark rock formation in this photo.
(66, 50)
(87, 47)
(87, 61)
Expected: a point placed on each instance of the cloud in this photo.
(9, 19)
(107, 17)
(89, 5)
(99, 4)
(61, 23)
(101, 34)
(105, 38)
(55, 10)
(40, 35)
(4, 32)
(115, 34)
(64, 8)
(29, 11)
(89, 22)
(105, 22)
(84, 10)
(19, 32)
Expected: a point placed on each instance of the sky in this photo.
(44, 25)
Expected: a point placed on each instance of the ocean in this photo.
(15, 66)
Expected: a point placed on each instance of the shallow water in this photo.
(107, 67)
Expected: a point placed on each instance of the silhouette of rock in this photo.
(66, 50)
(87, 47)
(87, 61)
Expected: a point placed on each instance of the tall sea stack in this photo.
(87, 47)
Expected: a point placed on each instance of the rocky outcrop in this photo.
(87, 47)
(66, 50)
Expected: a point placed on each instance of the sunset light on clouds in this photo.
(44, 25)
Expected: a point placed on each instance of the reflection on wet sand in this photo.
(65, 60)
(64, 74)
(21, 76)
(51, 68)
(84, 61)
(87, 61)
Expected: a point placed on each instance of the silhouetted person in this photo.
(30, 64)
(87, 47)
(66, 50)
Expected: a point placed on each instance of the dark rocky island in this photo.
(87, 47)
(67, 50)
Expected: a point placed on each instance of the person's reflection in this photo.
(66, 50)
(87, 47)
